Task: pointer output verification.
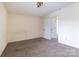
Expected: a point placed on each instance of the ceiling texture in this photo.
(30, 8)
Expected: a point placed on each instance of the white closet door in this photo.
(54, 27)
(50, 30)
(47, 29)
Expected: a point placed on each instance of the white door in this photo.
(47, 29)
(50, 30)
(54, 27)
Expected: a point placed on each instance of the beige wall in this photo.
(3, 30)
(68, 25)
(24, 27)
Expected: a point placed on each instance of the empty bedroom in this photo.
(39, 29)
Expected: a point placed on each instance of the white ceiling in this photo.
(30, 8)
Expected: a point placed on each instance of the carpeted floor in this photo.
(39, 48)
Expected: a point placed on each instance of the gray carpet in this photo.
(39, 48)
